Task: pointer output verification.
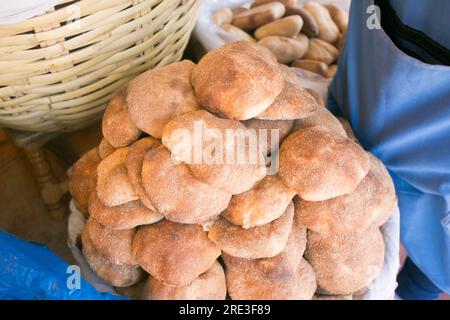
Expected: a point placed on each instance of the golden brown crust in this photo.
(135, 158)
(332, 297)
(254, 49)
(319, 164)
(114, 245)
(158, 95)
(317, 96)
(176, 193)
(105, 148)
(236, 83)
(117, 127)
(213, 168)
(125, 216)
(118, 275)
(348, 129)
(347, 262)
(259, 242)
(284, 127)
(293, 102)
(83, 179)
(174, 253)
(113, 185)
(371, 203)
(262, 204)
(208, 286)
(322, 117)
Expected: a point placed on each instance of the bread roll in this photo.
(315, 66)
(310, 27)
(259, 242)
(320, 164)
(341, 40)
(174, 253)
(286, 27)
(258, 16)
(333, 297)
(117, 127)
(283, 128)
(158, 95)
(176, 193)
(264, 203)
(114, 245)
(125, 216)
(371, 203)
(253, 49)
(346, 262)
(134, 160)
(293, 102)
(261, 2)
(239, 84)
(113, 185)
(339, 17)
(240, 34)
(285, 49)
(332, 71)
(118, 275)
(328, 31)
(322, 51)
(222, 16)
(317, 96)
(322, 117)
(105, 148)
(202, 141)
(303, 40)
(348, 129)
(208, 286)
(83, 179)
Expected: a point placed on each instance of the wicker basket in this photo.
(59, 70)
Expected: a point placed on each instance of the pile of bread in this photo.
(308, 36)
(200, 230)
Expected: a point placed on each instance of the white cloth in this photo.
(20, 10)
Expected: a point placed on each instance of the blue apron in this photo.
(399, 108)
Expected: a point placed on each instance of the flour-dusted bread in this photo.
(174, 253)
(258, 242)
(292, 103)
(208, 286)
(113, 185)
(125, 216)
(158, 95)
(371, 203)
(135, 158)
(262, 204)
(83, 179)
(105, 148)
(275, 130)
(332, 297)
(347, 262)
(177, 193)
(348, 129)
(114, 245)
(317, 96)
(239, 84)
(118, 275)
(322, 117)
(220, 152)
(320, 164)
(253, 48)
(117, 127)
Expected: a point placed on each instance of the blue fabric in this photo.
(399, 108)
(414, 285)
(30, 271)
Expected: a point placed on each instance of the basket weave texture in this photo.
(60, 69)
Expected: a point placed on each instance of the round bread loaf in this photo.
(176, 193)
(220, 152)
(320, 164)
(117, 127)
(135, 158)
(239, 84)
(347, 262)
(113, 245)
(270, 127)
(83, 179)
(118, 275)
(113, 185)
(317, 97)
(348, 129)
(253, 48)
(125, 216)
(293, 102)
(158, 95)
(105, 148)
(322, 117)
(208, 286)
(258, 242)
(262, 204)
(174, 253)
(371, 203)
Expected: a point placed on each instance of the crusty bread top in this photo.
(320, 164)
(321, 117)
(174, 253)
(105, 148)
(239, 84)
